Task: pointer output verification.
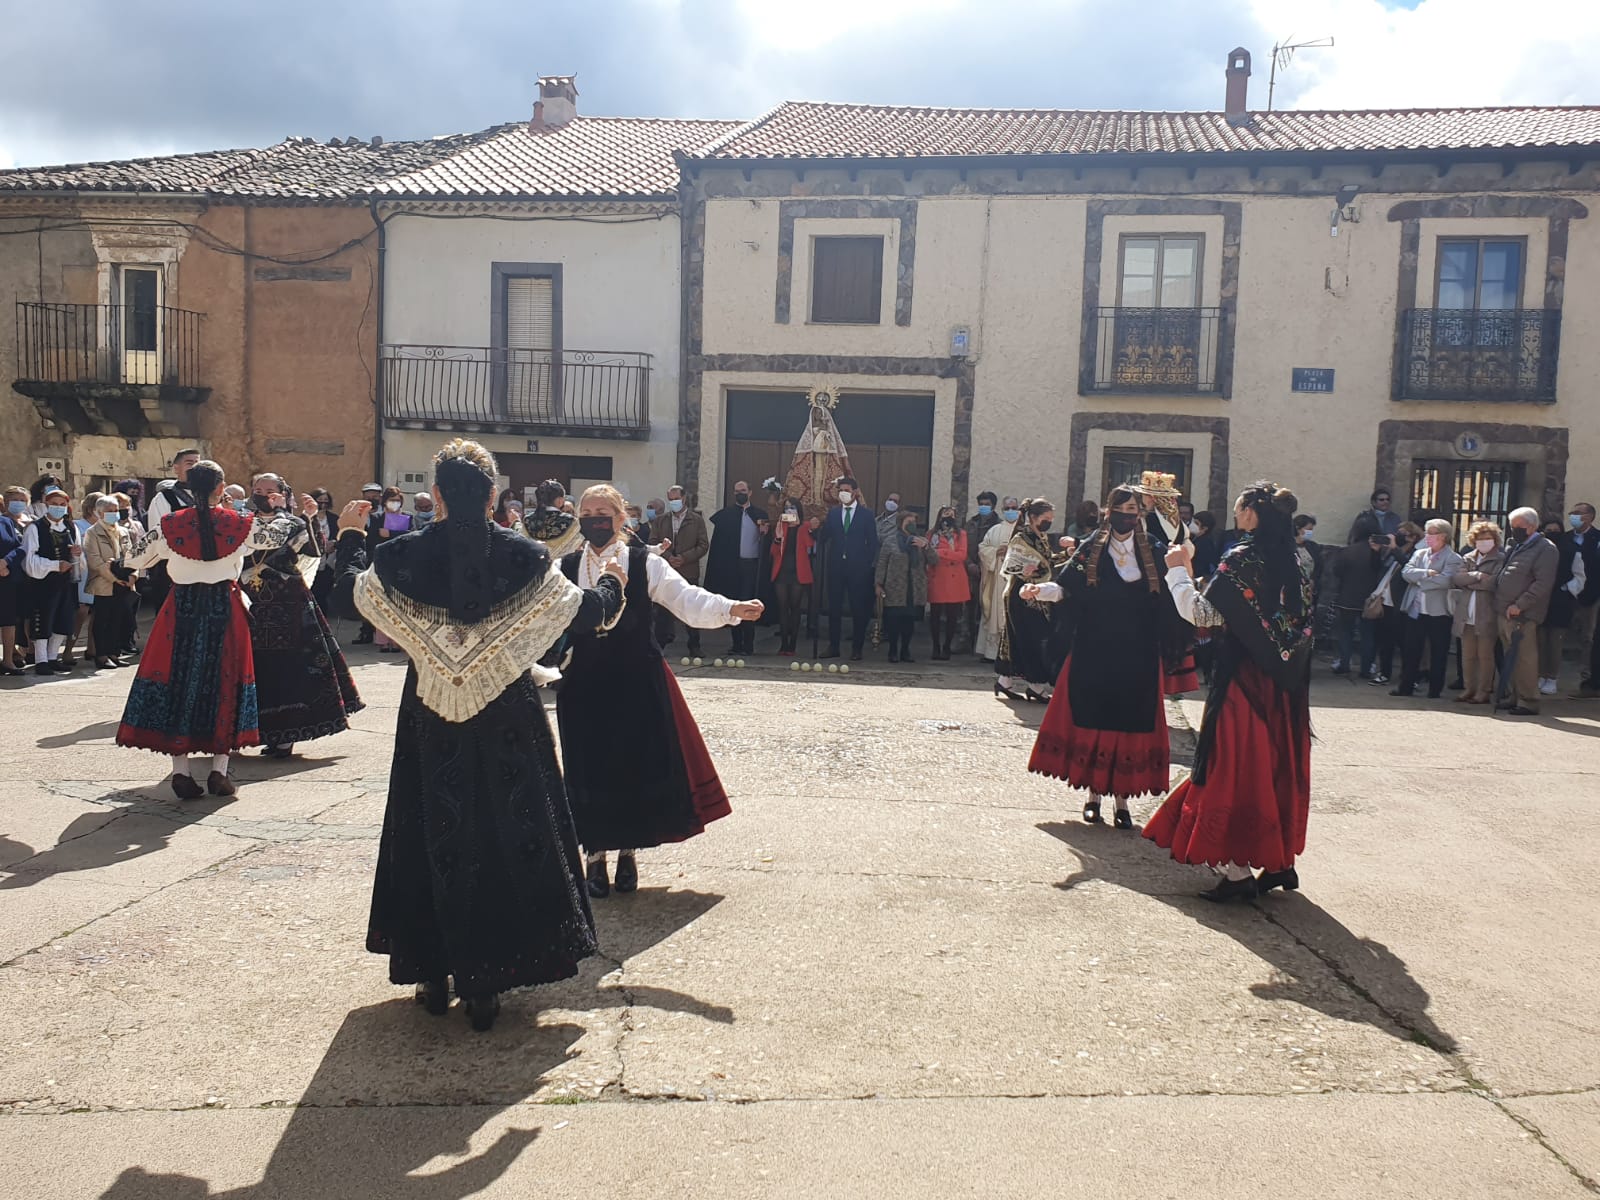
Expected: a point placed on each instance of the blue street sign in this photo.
(1311, 379)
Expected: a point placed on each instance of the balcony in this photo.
(1504, 355)
(584, 393)
(1156, 350)
(114, 369)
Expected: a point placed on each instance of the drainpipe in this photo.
(377, 416)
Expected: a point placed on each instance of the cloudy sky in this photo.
(116, 78)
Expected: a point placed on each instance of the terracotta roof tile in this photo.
(589, 156)
(798, 129)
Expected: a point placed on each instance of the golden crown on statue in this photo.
(824, 396)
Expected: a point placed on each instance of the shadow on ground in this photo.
(387, 1058)
(1279, 929)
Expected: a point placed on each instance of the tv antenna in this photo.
(1283, 52)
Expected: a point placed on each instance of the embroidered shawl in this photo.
(1276, 637)
(181, 530)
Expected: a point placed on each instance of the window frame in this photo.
(500, 276)
(1185, 478)
(1161, 239)
(1479, 241)
(811, 308)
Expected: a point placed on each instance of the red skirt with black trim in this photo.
(195, 692)
(1185, 679)
(705, 786)
(1252, 808)
(1108, 762)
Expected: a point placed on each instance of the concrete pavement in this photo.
(902, 965)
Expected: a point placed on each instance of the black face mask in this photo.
(1122, 522)
(262, 503)
(1519, 534)
(947, 523)
(1044, 526)
(741, 498)
(597, 531)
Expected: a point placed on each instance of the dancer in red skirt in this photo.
(1106, 727)
(1246, 803)
(637, 769)
(196, 688)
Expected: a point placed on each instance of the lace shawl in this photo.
(464, 667)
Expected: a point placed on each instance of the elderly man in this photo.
(890, 515)
(422, 504)
(1522, 596)
(686, 530)
(1584, 540)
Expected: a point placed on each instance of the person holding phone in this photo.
(789, 548)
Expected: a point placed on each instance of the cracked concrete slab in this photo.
(1569, 1125)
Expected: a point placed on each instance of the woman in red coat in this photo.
(789, 550)
(949, 588)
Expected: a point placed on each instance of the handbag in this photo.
(1373, 608)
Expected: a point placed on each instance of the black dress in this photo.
(1033, 643)
(661, 786)
(478, 875)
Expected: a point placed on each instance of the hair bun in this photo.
(1285, 500)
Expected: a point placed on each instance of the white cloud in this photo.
(1441, 53)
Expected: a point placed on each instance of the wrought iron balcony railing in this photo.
(1156, 349)
(602, 390)
(107, 345)
(1479, 354)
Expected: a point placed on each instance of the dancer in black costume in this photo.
(479, 877)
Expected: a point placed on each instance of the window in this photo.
(1160, 272)
(525, 313)
(1465, 493)
(1476, 273)
(847, 280)
(140, 325)
(1124, 463)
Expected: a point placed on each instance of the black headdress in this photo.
(466, 488)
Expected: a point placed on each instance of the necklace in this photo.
(594, 561)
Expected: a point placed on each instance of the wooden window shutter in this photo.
(847, 280)
(530, 347)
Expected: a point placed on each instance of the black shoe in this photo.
(1517, 710)
(219, 784)
(1005, 691)
(434, 995)
(482, 1009)
(1232, 889)
(627, 879)
(893, 657)
(44, 668)
(1123, 819)
(1288, 880)
(1091, 812)
(278, 751)
(599, 882)
(1402, 692)
(907, 658)
(831, 652)
(855, 656)
(184, 787)
(1035, 697)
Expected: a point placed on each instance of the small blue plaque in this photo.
(1311, 379)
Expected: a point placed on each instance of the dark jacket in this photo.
(1590, 553)
(903, 576)
(11, 545)
(1373, 520)
(722, 563)
(849, 556)
(1353, 574)
(1563, 604)
(1528, 578)
(691, 542)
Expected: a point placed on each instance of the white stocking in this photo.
(180, 764)
(57, 641)
(41, 650)
(219, 763)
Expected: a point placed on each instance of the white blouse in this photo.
(1123, 556)
(1192, 606)
(154, 548)
(694, 606)
(39, 567)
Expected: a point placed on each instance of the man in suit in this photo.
(847, 543)
(1522, 593)
(733, 566)
(686, 530)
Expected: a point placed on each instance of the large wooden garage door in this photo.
(889, 437)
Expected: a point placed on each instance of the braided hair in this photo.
(464, 473)
(1275, 507)
(205, 477)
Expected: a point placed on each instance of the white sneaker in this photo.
(1547, 687)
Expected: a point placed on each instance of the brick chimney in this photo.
(1237, 106)
(557, 104)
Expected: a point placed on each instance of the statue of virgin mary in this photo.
(819, 457)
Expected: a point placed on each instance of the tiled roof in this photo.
(798, 129)
(587, 157)
(294, 169)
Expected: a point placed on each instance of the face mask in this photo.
(1519, 534)
(650, 513)
(791, 518)
(241, 506)
(1122, 522)
(1575, 520)
(396, 505)
(55, 511)
(112, 518)
(597, 531)
(424, 518)
(1311, 535)
(1044, 526)
(324, 505)
(1485, 545)
(262, 503)
(845, 497)
(18, 507)
(947, 523)
(741, 498)
(1011, 514)
(675, 506)
(910, 530)
(890, 505)
(986, 510)
(633, 522)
